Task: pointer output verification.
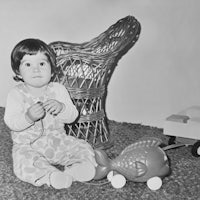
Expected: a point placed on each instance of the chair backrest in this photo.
(91, 59)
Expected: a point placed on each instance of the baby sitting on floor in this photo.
(36, 111)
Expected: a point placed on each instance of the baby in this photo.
(36, 111)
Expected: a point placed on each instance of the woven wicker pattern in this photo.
(85, 70)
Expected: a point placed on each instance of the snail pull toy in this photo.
(142, 161)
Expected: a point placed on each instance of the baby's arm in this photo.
(69, 113)
(15, 113)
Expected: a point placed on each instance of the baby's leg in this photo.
(82, 172)
(78, 159)
(34, 168)
(59, 179)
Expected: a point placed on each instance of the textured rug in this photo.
(182, 184)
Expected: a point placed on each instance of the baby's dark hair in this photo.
(31, 46)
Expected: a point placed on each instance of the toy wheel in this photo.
(154, 183)
(196, 149)
(110, 175)
(118, 181)
(172, 140)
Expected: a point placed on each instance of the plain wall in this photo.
(157, 77)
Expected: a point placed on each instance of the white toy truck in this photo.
(184, 129)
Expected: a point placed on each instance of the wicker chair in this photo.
(85, 70)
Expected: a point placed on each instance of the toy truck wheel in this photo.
(172, 140)
(196, 149)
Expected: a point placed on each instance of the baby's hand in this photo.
(35, 112)
(53, 106)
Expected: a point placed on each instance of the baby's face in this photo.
(35, 70)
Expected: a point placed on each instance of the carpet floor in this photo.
(182, 184)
